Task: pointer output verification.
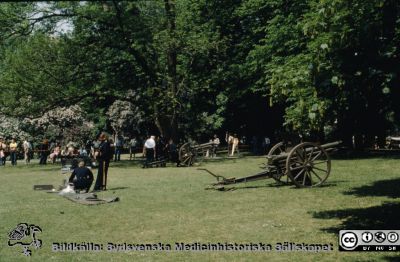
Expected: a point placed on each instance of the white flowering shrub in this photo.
(66, 123)
(124, 117)
(12, 128)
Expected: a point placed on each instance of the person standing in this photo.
(27, 151)
(132, 147)
(44, 152)
(235, 144)
(215, 146)
(160, 148)
(266, 142)
(229, 140)
(3, 148)
(88, 147)
(172, 152)
(13, 152)
(209, 149)
(149, 150)
(119, 143)
(104, 156)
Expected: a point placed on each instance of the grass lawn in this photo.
(169, 205)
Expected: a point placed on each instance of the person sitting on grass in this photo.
(81, 177)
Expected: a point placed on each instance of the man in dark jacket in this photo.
(44, 152)
(81, 177)
(104, 155)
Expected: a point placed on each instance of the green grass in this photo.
(171, 205)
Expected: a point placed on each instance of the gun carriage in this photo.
(305, 165)
(392, 142)
(189, 152)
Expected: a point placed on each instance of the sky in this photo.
(64, 26)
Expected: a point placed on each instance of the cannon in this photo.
(392, 142)
(189, 152)
(157, 163)
(305, 165)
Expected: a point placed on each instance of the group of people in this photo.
(155, 149)
(46, 150)
(12, 149)
(260, 145)
(103, 150)
(215, 143)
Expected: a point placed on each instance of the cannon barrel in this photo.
(327, 147)
(331, 145)
(205, 145)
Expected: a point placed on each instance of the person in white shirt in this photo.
(27, 151)
(235, 144)
(149, 149)
(229, 140)
(216, 144)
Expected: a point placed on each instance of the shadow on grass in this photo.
(376, 217)
(385, 216)
(118, 188)
(255, 187)
(391, 259)
(366, 154)
(273, 185)
(127, 163)
(389, 188)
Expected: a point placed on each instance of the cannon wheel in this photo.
(277, 150)
(308, 165)
(187, 155)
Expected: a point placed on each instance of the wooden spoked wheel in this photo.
(276, 150)
(186, 155)
(308, 165)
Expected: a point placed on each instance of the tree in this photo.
(320, 68)
(331, 64)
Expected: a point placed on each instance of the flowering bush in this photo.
(124, 117)
(12, 128)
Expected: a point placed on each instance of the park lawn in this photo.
(169, 205)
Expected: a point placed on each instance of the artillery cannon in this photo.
(305, 165)
(189, 152)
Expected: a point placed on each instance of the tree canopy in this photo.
(317, 68)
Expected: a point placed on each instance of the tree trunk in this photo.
(166, 121)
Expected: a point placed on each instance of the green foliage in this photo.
(331, 65)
